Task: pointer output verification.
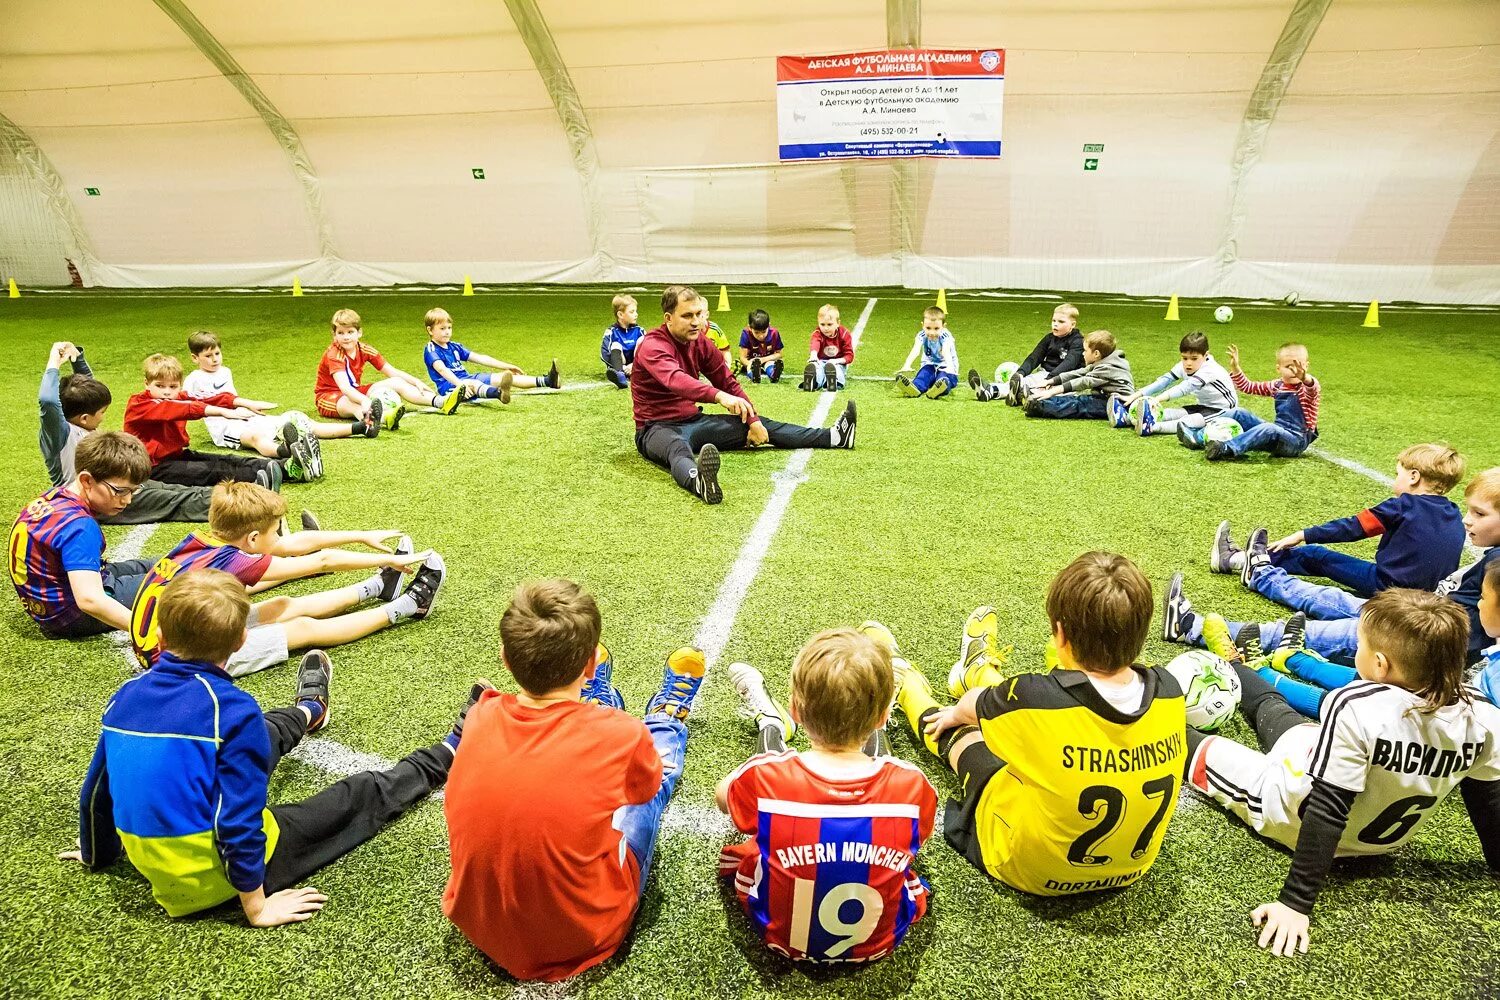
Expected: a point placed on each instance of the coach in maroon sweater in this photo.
(665, 389)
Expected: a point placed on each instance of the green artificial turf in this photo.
(944, 505)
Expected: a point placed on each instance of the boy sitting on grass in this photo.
(555, 802)
(1197, 382)
(1297, 396)
(837, 826)
(1059, 350)
(760, 347)
(620, 337)
(158, 415)
(939, 353)
(1068, 779)
(831, 352)
(1390, 748)
(1421, 536)
(245, 525)
(270, 437)
(339, 391)
(73, 407)
(445, 359)
(57, 547)
(180, 778)
(1084, 393)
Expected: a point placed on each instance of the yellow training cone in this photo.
(296, 285)
(15, 292)
(1372, 315)
(468, 286)
(1171, 315)
(723, 298)
(942, 302)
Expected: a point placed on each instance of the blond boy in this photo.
(1068, 779)
(445, 358)
(810, 814)
(830, 353)
(341, 392)
(617, 349)
(1297, 396)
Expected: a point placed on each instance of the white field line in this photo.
(130, 547)
(713, 633)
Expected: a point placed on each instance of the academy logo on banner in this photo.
(892, 102)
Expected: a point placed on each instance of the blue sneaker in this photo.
(1145, 421)
(1119, 414)
(1190, 437)
(679, 684)
(600, 689)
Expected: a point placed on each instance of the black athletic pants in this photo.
(198, 468)
(672, 444)
(344, 815)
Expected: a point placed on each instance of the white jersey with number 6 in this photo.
(1375, 740)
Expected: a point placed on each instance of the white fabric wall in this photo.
(1379, 176)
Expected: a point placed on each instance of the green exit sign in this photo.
(1091, 164)
(1093, 147)
(91, 192)
(479, 173)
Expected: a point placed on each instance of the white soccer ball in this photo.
(1291, 299)
(1221, 429)
(1004, 371)
(299, 420)
(390, 404)
(1210, 687)
(1223, 314)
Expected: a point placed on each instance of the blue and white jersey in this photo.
(942, 352)
(625, 340)
(453, 354)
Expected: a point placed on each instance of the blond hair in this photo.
(619, 302)
(344, 317)
(236, 509)
(1439, 465)
(1291, 348)
(1485, 486)
(842, 686)
(201, 615)
(1426, 638)
(162, 368)
(548, 633)
(829, 309)
(1069, 310)
(933, 312)
(1101, 341)
(1103, 603)
(435, 314)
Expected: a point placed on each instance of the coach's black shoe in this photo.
(809, 377)
(842, 435)
(1177, 614)
(313, 676)
(706, 482)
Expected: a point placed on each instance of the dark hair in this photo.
(548, 634)
(1492, 575)
(1426, 637)
(1103, 603)
(1194, 343)
(675, 294)
(82, 395)
(202, 341)
(759, 319)
(113, 455)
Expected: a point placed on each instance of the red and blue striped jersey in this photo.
(196, 551)
(56, 534)
(828, 874)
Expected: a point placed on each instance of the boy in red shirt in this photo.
(158, 415)
(553, 805)
(341, 392)
(827, 875)
(831, 353)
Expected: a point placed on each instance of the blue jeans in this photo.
(1287, 437)
(640, 824)
(1332, 640)
(841, 373)
(1071, 406)
(1313, 599)
(1318, 560)
(928, 374)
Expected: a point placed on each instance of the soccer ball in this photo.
(299, 420)
(1135, 408)
(1210, 686)
(390, 404)
(1221, 429)
(1291, 299)
(1223, 314)
(1003, 373)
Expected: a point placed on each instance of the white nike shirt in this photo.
(200, 384)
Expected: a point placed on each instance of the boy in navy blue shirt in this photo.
(445, 359)
(180, 776)
(1421, 536)
(617, 349)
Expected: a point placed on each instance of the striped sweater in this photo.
(1308, 394)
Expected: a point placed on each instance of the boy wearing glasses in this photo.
(57, 547)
